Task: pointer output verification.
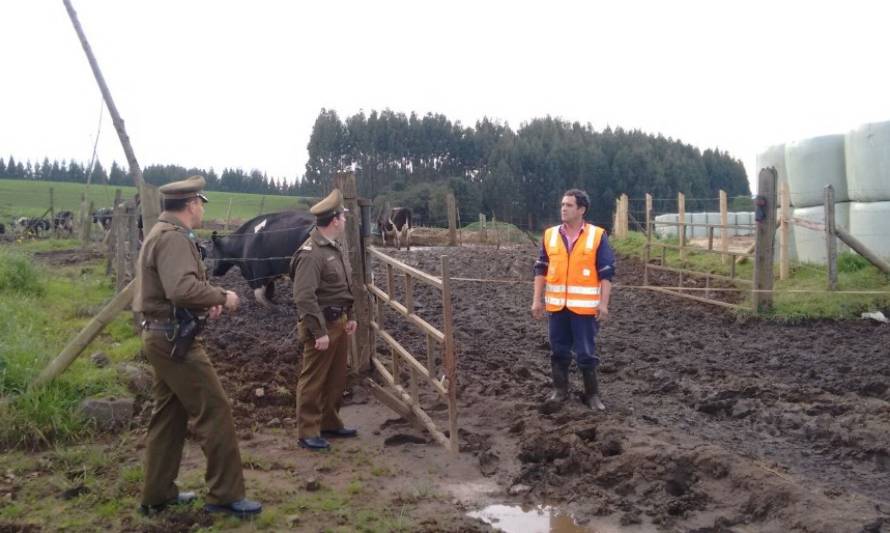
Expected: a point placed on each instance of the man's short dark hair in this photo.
(581, 198)
(175, 204)
(325, 221)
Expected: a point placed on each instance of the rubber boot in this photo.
(559, 371)
(591, 389)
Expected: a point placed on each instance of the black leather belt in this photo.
(154, 325)
(334, 312)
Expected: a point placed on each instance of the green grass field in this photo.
(803, 295)
(20, 198)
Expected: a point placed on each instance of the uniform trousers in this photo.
(571, 332)
(188, 389)
(322, 380)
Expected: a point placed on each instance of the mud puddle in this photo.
(541, 519)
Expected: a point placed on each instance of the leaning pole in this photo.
(149, 204)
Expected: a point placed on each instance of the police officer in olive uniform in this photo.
(324, 304)
(173, 296)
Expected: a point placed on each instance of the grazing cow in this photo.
(396, 226)
(262, 248)
(102, 216)
(63, 222)
(30, 226)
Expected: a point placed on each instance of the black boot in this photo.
(591, 389)
(559, 371)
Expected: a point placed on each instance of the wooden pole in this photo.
(784, 231)
(52, 213)
(483, 232)
(830, 240)
(762, 297)
(132, 217)
(625, 207)
(648, 249)
(497, 231)
(452, 219)
(450, 357)
(346, 182)
(86, 336)
(681, 218)
(228, 216)
(87, 225)
(119, 228)
(862, 250)
(109, 235)
(150, 197)
(724, 231)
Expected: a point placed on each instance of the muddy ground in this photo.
(714, 423)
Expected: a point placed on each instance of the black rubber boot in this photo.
(559, 371)
(591, 389)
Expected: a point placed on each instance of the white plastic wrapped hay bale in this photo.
(744, 218)
(867, 153)
(809, 245)
(666, 230)
(811, 165)
(869, 223)
(698, 230)
(774, 156)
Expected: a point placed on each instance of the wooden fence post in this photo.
(119, 229)
(762, 298)
(784, 231)
(452, 219)
(648, 249)
(132, 215)
(483, 231)
(497, 231)
(108, 239)
(724, 232)
(449, 356)
(681, 229)
(648, 212)
(830, 238)
(361, 356)
(87, 228)
(228, 216)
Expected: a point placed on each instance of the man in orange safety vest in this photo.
(573, 282)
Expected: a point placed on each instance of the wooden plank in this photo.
(681, 220)
(450, 357)
(389, 399)
(784, 231)
(424, 418)
(648, 249)
(398, 265)
(430, 355)
(862, 250)
(724, 229)
(694, 298)
(700, 274)
(413, 318)
(361, 346)
(77, 345)
(409, 294)
(809, 224)
(830, 239)
(762, 298)
(402, 352)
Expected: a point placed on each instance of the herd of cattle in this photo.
(62, 222)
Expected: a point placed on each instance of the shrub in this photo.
(18, 275)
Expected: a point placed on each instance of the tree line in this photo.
(229, 180)
(515, 175)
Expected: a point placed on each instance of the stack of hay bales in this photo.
(867, 151)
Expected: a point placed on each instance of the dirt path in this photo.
(713, 424)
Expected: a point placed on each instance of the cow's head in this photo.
(217, 255)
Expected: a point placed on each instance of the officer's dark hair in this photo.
(581, 198)
(176, 204)
(325, 221)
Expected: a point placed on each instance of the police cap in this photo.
(188, 188)
(331, 205)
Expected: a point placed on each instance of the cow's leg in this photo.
(260, 294)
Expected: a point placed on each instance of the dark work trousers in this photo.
(570, 332)
(188, 389)
(322, 380)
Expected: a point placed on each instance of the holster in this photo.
(186, 326)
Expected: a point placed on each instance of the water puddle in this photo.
(537, 519)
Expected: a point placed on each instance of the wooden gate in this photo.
(402, 397)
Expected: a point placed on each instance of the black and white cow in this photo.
(32, 227)
(261, 249)
(395, 227)
(102, 216)
(2, 228)
(63, 222)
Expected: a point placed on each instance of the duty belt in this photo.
(333, 312)
(155, 325)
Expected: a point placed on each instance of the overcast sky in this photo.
(239, 84)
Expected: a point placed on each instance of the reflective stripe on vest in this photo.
(572, 279)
